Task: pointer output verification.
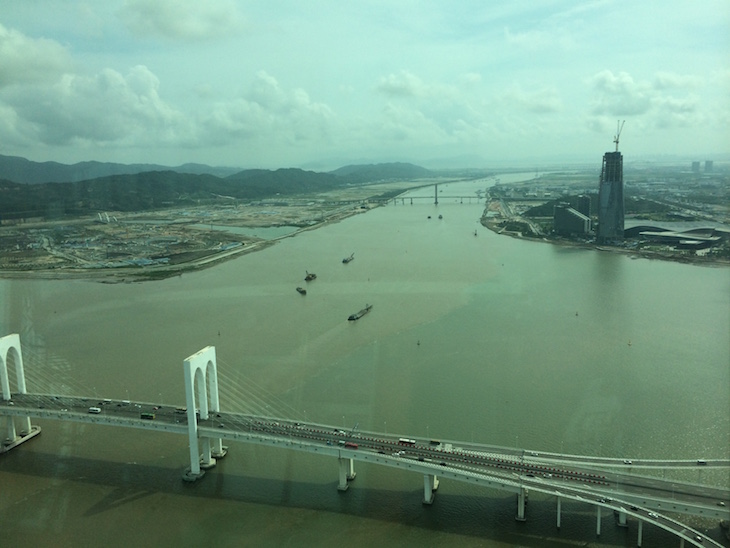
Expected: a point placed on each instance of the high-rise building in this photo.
(708, 166)
(611, 198)
(568, 221)
(583, 205)
(695, 167)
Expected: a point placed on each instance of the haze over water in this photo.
(482, 338)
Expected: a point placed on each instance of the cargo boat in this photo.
(310, 276)
(348, 259)
(360, 314)
(302, 291)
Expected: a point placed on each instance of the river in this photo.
(473, 337)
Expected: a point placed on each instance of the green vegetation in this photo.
(152, 190)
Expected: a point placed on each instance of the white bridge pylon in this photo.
(201, 370)
(10, 346)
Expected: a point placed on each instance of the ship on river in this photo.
(310, 276)
(361, 313)
(301, 290)
(348, 259)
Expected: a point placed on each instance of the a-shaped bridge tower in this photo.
(23, 430)
(201, 369)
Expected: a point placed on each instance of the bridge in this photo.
(616, 485)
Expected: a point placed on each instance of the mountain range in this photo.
(53, 190)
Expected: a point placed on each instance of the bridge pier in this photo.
(347, 472)
(201, 368)
(430, 484)
(521, 501)
(10, 346)
(640, 533)
(622, 519)
(559, 502)
(598, 521)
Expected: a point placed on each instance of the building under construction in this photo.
(611, 196)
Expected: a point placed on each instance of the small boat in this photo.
(361, 313)
(348, 259)
(310, 276)
(441, 216)
(302, 291)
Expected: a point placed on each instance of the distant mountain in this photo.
(283, 181)
(368, 173)
(21, 170)
(153, 190)
(156, 189)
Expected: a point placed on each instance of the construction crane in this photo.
(618, 132)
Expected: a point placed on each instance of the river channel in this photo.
(472, 336)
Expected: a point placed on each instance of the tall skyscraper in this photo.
(611, 196)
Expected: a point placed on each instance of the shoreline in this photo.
(137, 274)
(633, 253)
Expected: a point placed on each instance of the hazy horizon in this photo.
(248, 84)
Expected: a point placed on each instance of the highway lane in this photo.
(558, 470)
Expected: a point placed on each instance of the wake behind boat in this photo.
(361, 313)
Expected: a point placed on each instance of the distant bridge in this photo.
(602, 482)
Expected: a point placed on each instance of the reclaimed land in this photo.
(133, 246)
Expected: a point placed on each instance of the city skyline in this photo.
(246, 84)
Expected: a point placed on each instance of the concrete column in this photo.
(11, 433)
(598, 521)
(559, 501)
(520, 505)
(622, 519)
(347, 472)
(640, 535)
(430, 484)
(207, 461)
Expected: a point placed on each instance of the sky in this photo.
(323, 83)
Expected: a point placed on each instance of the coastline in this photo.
(633, 253)
(134, 274)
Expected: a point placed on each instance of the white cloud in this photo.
(268, 112)
(660, 103)
(403, 84)
(181, 19)
(103, 108)
(619, 95)
(24, 59)
(538, 101)
(670, 80)
(539, 40)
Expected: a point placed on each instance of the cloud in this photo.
(539, 101)
(24, 60)
(181, 19)
(403, 84)
(659, 103)
(103, 108)
(619, 95)
(267, 111)
(539, 40)
(670, 80)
